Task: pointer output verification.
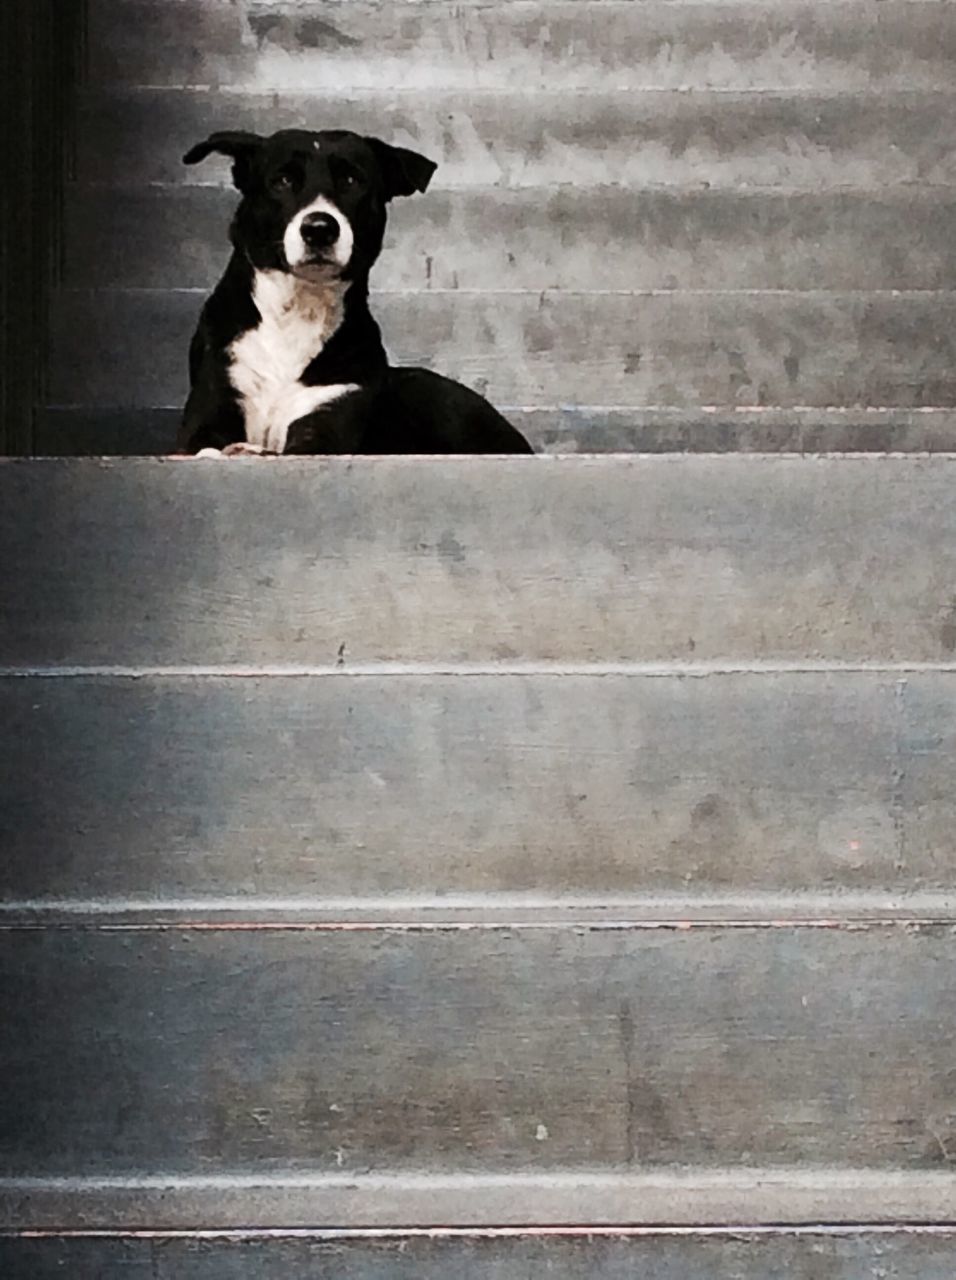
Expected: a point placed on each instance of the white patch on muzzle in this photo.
(297, 251)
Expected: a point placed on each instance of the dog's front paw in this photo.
(242, 449)
(208, 453)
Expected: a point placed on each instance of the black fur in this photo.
(396, 410)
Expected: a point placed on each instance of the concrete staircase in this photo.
(655, 226)
(478, 867)
(500, 868)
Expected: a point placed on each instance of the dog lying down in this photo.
(287, 358)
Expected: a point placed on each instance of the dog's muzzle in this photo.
(319, 236)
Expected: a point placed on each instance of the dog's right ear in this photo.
(242, 147)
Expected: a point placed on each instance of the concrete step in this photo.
(614, 349)
(557, 238)
(380, 1204)
(78, 432)
(212, 1053)
(618, 559)
(519, 138)
(906, 1253)
(482, 842)
(471, 797)
(550, 45)
(725, 684)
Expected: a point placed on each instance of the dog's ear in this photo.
(242, 147)
(404, 172)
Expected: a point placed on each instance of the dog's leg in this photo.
(212, 420)
(336, 428)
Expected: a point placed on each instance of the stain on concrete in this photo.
(310, 33)
(449, 548)
(313, 33)
(947, 632)
(706, 810)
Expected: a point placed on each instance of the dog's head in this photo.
(313, 204)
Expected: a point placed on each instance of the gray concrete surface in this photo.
(566, 429)
(353, 793)
(547, 46)
(199, 1052)
(908, 1255)
(735, 560)
(132, 237)
(659, 137)
(673, 349)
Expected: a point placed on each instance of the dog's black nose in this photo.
(319, 230)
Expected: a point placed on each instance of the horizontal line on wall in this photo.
(346, 96)
(472, 670)
(358, 1234)
(486, 911)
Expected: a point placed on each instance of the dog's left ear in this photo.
(404, 172)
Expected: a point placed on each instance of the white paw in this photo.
(209, 453)
(244, 450)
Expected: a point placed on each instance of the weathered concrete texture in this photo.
(552, 46)
(565, 238)
(738, 1197)
(520, 139)
(240, 1051)
(177, 789)
(900, 1255)
(477, 560)
(130, 432)
(128, 348)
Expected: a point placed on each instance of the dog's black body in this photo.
(287, 357)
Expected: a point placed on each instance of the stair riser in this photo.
(349, 790)
(205, 1052)
(905, 1256)
(606, 238)
(516, 139)
(292, 47)
(129, 432)
(695, 559)
(119, 348)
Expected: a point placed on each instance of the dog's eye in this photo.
(345, 175)
(285, 180)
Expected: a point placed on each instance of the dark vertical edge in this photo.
(42, 54)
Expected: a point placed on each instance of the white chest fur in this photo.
(298, 318)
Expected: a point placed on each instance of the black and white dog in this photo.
(287, 358)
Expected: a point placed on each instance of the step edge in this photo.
(688, 1198)
(487, 911)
